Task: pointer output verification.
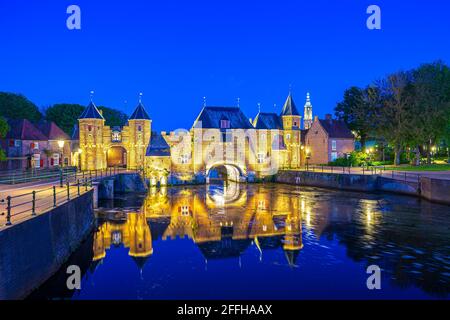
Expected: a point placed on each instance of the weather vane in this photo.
(140, 97)
(92, 94)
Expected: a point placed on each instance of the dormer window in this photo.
(225, 124)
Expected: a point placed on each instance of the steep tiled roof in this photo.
(210, 118)
(158, 146)
(51, 130)
(23, 129)
(336, 129)
(268, 121)
(140, 113)
(289, 108)
(91, 112)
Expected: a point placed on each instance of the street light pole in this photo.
(61, 147)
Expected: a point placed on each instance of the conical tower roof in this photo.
(140, 113)
(91, 112)
(289, 108)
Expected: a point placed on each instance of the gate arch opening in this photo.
(224, 172)
(116, 157)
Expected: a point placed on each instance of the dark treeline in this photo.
(16, 106)
(406, 110)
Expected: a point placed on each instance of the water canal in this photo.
(261, 242)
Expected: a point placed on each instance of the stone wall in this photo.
(398, 186)
(354, 182)
(129, 182)
(437, 190)
(32, 251)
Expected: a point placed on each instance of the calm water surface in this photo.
(262, 242)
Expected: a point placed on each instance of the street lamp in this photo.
(433, 152)
(308, 156)
(369, 152)
(61, 146)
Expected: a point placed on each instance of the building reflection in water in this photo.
(223, 221)
(408, 238)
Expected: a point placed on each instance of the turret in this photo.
(91, 130)
(290, 115)
(291, 126)
(139, 133)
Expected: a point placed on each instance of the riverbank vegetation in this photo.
(406, 113)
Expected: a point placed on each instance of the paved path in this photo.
(22, 195)
(22, 204)
(410, 176)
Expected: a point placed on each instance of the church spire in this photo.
(308, 116)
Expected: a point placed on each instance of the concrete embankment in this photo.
(33, 250)
(437, 190)
(353, 182)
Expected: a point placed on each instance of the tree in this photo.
(432, 105)
(113, 117)
(15, 106)
(64, 115)
(394, 114)
(356, 110)
(4, 128)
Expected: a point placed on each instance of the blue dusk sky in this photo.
(176, 52)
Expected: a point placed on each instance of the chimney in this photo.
(316, 118)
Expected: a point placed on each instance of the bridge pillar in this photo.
(106, 189)
(95, 186)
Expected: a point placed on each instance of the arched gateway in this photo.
(225, 171)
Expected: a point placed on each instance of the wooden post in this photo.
(54, 196)
(8, 214)
(33, 204)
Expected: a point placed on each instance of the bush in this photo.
(355, 159)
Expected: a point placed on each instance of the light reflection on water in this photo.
(262, 241)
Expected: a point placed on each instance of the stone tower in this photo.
(93, 138)
(139, 132)
(291, 126)
(308, 117)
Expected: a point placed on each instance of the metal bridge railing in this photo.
(371, 170)
(41, 200)
(24, 176)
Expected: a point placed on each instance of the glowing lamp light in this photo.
(61, 144)
(80, 151)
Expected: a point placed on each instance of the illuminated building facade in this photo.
(222, 141)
